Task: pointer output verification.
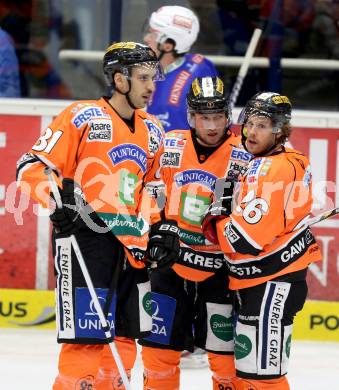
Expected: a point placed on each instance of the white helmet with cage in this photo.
(177, 23)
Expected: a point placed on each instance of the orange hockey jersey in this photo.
(266, 235)
(90, 143)
(189, 190)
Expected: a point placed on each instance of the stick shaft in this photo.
(323, 216)
(244, 67)
(54, 187)
(98, 308)
(104, 323)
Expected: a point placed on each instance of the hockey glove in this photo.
(219, 209)
(163, 247)
(67, 220)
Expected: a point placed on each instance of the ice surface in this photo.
(28, 360)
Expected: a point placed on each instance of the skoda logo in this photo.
(210, 104)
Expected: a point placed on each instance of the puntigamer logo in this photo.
(129, 152)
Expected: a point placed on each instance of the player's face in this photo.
(150, 39)
(142, 85)
(210, 128)
(259, 134)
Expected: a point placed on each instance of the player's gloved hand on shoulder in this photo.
(66, 220)
(217, 210)
(163, 247)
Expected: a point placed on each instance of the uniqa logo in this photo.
(152, 308)
(92, 309)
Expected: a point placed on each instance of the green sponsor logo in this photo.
(127, 186)
(242, 346)
(147, 303)
(192, 238)
(193, 208)
(288, 346)
(222, 327)
(123, 224)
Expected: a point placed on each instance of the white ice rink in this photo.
(28, 360)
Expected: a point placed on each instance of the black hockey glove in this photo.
(217, 210)
(67, 219)
(163, 247)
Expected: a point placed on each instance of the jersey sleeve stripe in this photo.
(285, 245)
(239, 240)
(26, 161)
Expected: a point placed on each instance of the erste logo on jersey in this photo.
(100, 130)
(174, 147)
(197, 176)
(237, 164)
(240, 155)
(87, 113)
(155, 136)
(174, 142)
(129, 152)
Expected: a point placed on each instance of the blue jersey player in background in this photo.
(171, 32)
(9, 67)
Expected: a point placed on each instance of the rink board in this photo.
(27, 309)
(25, 253)
(319, 320)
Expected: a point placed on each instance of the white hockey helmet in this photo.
(177, 23)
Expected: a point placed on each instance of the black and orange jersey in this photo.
(189, 185)
(266, 235)
(91, 144)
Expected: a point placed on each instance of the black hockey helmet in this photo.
(121, 56)
(271, 105)
(207, 95)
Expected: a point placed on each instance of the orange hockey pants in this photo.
(86, 367)
(161, 369)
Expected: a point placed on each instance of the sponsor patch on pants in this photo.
(162, 308)
(87, 322)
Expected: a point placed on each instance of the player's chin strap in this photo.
(126, 94)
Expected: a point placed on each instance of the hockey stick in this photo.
(324, 215)
(244, 67)
(104, 323)
(318, 218)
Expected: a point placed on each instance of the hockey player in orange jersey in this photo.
(192, 306)
(267, 242)
(103, 153)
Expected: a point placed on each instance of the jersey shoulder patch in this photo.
(85, 111)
